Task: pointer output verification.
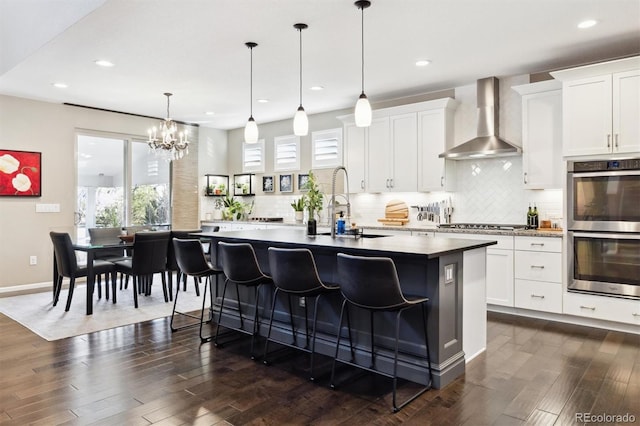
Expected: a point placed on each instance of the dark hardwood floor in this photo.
(533, 372)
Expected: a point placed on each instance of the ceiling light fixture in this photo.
(170, 144)
(300, 120)
(103, 63)
(588, 23)
(316, 88)
(251, 129)
(60, 85)
(422, 63)
(363, 108)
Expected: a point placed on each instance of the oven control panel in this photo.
(605, 165)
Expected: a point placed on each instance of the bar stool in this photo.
(191, 260)
(240, 266)
(358, 277)
(294, 273)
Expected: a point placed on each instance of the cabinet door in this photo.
(404, 144)
(355, 156)
(542, 140)
(431, 142)
(587, 116)
(626, 110)
(500, 277)
(378, 173)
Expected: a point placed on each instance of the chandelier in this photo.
(166, 141)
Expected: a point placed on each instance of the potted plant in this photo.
(220, 189)
(298, 207)
(313, 202)
(209, 189)
(217, 209)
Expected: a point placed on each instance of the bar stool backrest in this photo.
(294, 270)
(369, 282)
(66, 260)
(239, 262)
(150, 252)
(172, 264)
(190, 256)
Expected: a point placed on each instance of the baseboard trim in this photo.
(16, 290)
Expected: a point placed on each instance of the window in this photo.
(326, 148)
(253, 157)
(286, 153)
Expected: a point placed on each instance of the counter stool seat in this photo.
(191, 261)
(294, 273)
(240, 267)
(358, 275)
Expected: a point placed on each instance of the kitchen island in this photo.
(451, 272)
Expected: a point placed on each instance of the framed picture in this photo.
(268, 184)
(286, 183)
(302, 182)
(20, 173)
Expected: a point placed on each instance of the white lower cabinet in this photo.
(538, 273)
(603, 308)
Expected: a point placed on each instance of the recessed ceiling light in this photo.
(317, 88)
(263, 101)
(210, 113)
(60, 85)
(103, 63)
(422, 63)
(588, 23)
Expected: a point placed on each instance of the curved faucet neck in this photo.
(332, 205)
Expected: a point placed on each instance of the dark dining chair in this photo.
(358, 276)
(191, 261)
(103, 236)
(149, 258)
(68, 266)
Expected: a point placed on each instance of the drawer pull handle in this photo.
(538, 266)
(538, 244)
(635, 315)
(591, 308)
(537, 296)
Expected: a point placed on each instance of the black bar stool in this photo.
(240, 266)
(372, 283)
(294, 273)
(191, 260)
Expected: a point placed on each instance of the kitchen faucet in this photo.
(332, 203)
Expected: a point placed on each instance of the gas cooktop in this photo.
(487, 226)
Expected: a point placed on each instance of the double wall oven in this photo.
(603, 222)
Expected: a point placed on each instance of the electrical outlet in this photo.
(302, 302)
(33, 260)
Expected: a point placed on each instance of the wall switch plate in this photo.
(302, 302)
(47, 208)
(33, 260)
(448, 273)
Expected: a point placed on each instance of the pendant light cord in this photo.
(362, 44)
(300, 30)
(168, 98)
(251, 83)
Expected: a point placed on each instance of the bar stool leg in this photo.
(266, 344)
(335, 356)
(224, 290)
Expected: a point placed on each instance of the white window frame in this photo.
(326, 148)
(286, 153)
(253, 157)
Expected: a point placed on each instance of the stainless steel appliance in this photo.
(603, 221)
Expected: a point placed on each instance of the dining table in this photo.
(91, 249)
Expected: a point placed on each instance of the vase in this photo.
(312, 227)
(217, 214)
(299, 216)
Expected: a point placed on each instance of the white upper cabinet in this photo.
(435, 134)
(399, 151)
(542, 165)
(601, 106)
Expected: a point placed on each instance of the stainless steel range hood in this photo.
(487, 144)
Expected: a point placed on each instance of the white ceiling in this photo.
(195, 49)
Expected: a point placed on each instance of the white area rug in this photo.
(37, 313)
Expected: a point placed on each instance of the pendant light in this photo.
(363, 108)
(300, 120)
(251, 129)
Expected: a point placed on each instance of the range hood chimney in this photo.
(487, 144)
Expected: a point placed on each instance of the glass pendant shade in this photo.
(363, 112)
(251, 131)
(300, 122)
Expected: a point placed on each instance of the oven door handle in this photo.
(604, 174)
(606, 235)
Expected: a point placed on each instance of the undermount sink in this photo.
(353, 235)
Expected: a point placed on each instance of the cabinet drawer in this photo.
(549, 244)
(504, 241)
(536, 266)
(538, 296)
(602, 307)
